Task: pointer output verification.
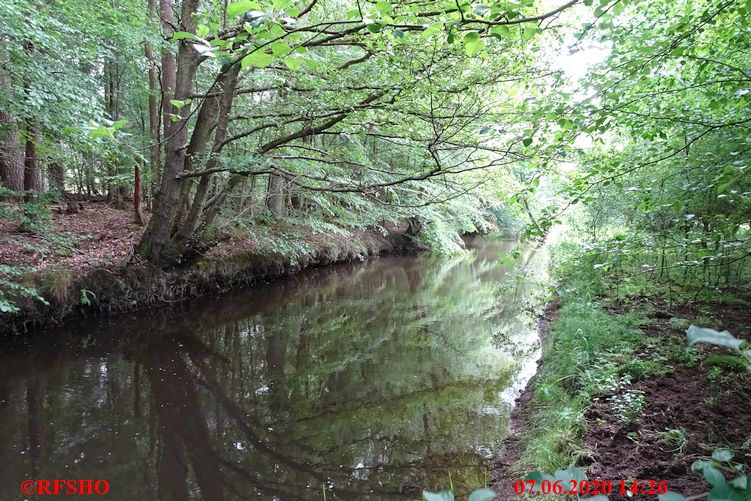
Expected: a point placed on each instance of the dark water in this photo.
(370, 381)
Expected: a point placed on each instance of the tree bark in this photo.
(32, 179)
(179, 242)
(169, 63)
(138, 217)
(56, 176)
(276, 195)
(11, 155)
(155, 159)
(160, 226)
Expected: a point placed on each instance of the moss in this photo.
(55, 284)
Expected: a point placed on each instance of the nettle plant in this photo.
(728, 479)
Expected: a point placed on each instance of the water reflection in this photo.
(371, 381)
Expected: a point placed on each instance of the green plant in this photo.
(728, 479)
(628, 405)
(675, 439)
(478, 495)
(35, 216)
(587, 351)
(86, 296)
(717, 471)
(12, 290)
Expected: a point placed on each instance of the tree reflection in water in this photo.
(373, 381)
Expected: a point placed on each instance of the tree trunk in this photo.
(56, 176)
(11, 155)
(192, 220)
(155, 159)
(169, 63)
(276, 195)
(32, 179)
(137, 194)
(160, 226)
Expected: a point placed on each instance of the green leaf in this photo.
(292, 62)
(724, 186)
(257, 59)
(473, 44)
(374, 27)
(713, 475)
(472, 36)
(500, 31)
(182, 35)
(527, 141)
(671, 496)
(722, 455)
(202, 31)
(384, 8)
(572, 473)
(740, 482)
(179, 104)
(725, 492)
(699, 465)
(101, 132)
(482, 495)
(437, 496)
(433, 29)
(539, 477)
(236, 9)
(529, 32)
(280, 48)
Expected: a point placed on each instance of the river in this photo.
(362, 381)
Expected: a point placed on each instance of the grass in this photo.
(594, 351)
(589, 353)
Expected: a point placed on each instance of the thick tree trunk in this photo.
(169, 63)
(276, 195)
(11, 155)
(138, 217)
(56, 176)
(32, 179)
(180, 241)
(160, 226)
(155, 158)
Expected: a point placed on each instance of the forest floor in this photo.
(688, 406)
(103, 236)
(98, 235)
(84, 262)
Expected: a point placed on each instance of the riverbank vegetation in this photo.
(146, 138)
(657, 240)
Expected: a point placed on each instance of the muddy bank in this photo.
(504, 475)
(109, 289)
(693, 408)
(691, 404)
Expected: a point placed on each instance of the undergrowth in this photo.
(596, 350)
(589, 354)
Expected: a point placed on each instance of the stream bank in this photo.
(74, 286)
(367, 381)
(619, 395)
